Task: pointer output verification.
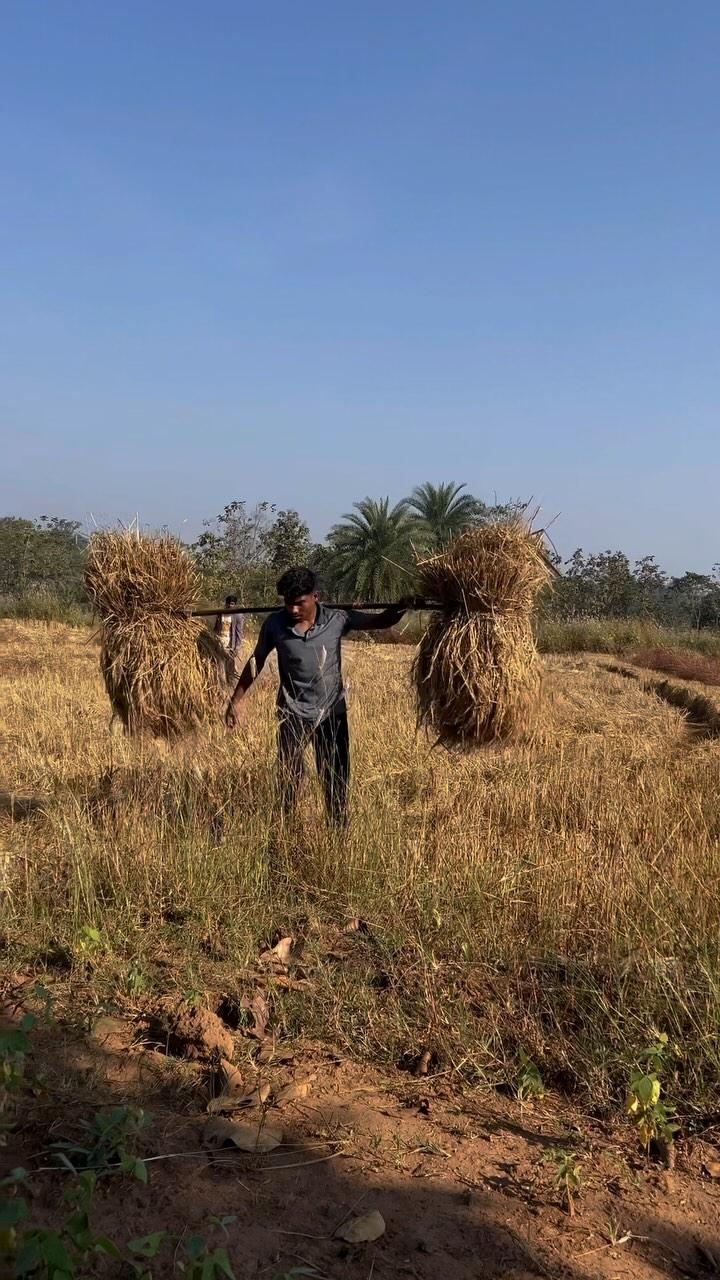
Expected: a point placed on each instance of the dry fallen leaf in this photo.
(257, 1097)
(361, 1230)
(423, 1063)
(712, 1167)
(292, 984)
(230, 1078)
(280, 953)
(272, 1052)
(257, 1005)
(357, 925)
(220, 1132)
(226, 1104)
(221, 1106)
(107, 1028)
(231, 1089)
(294, 1091)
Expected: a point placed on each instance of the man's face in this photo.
(301, 608)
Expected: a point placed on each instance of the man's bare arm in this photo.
(359, 620)
(246, 679)
(249, 674)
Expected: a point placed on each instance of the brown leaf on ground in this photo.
(256, 1097)
(370, 1226)
(257, 1005)
(274, 1053)
(106, 1028)
(220, 1132)
(291, 984)
(712, 1168)
(281, 953)
(222, 1106)
(231, 1086)
(357, 925)
(231, 1081)
(424, 1063)
(226, 1106)
(294, 1091)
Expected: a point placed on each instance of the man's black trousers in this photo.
(331, 742)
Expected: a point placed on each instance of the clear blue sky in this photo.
(312, 251)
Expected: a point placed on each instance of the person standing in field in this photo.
(311, 705)
(230, 631)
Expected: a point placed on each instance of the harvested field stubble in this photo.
(559, 897)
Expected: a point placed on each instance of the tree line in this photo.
(368, 555)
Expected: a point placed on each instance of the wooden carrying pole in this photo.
(419, 606)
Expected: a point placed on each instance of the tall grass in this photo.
(45, 606)
(620, 636)
(557, 897)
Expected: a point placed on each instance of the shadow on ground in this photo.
(473, 1209)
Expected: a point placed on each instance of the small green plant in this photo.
(659, 1051)
(104, 1144)
(142, 1251)
(617, 1235)
(14, 1047)
(136, 980)
(68, 1251)
(653, 1119)
(89, 941)
(194, 995)
(200, 1264)
(53, 1254)
(530, 1082)
(567, 1175)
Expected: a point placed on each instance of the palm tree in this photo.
(440, 512)
(370, 551)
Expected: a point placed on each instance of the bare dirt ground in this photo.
(463, 1180)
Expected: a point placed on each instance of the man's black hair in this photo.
(297, 582)
(231, 599)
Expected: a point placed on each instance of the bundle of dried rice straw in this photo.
(164, 672)
(475, 672)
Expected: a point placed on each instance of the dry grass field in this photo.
(555, 901)
(557, 897)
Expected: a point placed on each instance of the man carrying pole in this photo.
(307, 636)
(230, 629)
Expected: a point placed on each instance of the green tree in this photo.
(370, 553)
(229, 553)
(695, 598)
(651, 584)
(17, 542)
(440, 512)
(601, 584)
(45, 555)
(286, 543)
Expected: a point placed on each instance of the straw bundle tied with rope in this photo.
(475, 672)
(164, 672)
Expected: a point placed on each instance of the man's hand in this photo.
(233, 715)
